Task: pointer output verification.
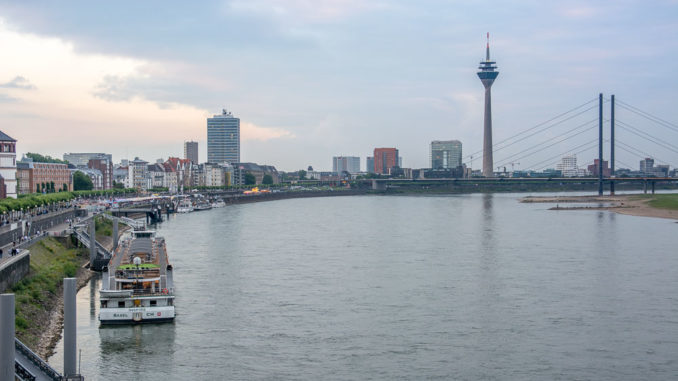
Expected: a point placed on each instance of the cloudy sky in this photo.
(311, 79)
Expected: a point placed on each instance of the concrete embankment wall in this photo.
(243, 199)
(14, 270)
(41, 223)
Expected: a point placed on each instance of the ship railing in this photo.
(35, 359)
(150, 293)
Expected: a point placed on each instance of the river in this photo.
(403, 287)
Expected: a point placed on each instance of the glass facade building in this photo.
(350, 164)
(445, 154)
(223, 138)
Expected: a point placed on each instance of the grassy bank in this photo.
(660, 201)
(37, 294)
(103, 228)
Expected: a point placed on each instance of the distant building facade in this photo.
(258, 171)
(137, 174)
(445, 154)
(223, 138)
(593, 168)
(94, 175)
(44, 177)
(568, 167)
(102, 162)
(385, 159)
(8, 165)
(350, 164)
(191, 151)
(369, 164)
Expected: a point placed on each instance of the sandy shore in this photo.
(622, 204)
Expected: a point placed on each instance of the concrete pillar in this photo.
(115, 233)
(7, 337)
(645, 186)
(92, 242)
(653, 187)
(70, 334)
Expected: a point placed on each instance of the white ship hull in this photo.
(136, 315)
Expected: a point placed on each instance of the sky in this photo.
(312, 79)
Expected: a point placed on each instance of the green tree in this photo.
(81, 181)
(44, 159)
(51, 187)
(64, 188)
(250, 179)
(302, 174)
(117, 185)
(37, 188)
(267, 180)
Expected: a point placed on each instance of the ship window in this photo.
(104, 303)
(121, 304)
(154, 302)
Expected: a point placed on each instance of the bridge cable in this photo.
(648, 116)
(534, 166)
(593, 146)
(541, 124)
(646, 136)
(513, 157)
(643, 154)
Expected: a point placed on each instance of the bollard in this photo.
(92, 242)
(115, 233)
(70, 334)
(7, 348)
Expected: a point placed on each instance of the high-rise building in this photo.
(487, 74)
(350, 164)
(646, 165)
(7, 165)
(191, 151)
(568, 167)
(445, 154)
(385, 159)
(369, 164)
(223, 138)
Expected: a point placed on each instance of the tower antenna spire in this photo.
(487, 55)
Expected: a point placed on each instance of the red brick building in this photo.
(385, 159)
(593, 168)
(39, 177)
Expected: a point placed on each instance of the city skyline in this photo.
(127, 94)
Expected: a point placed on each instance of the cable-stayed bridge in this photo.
(600, 131)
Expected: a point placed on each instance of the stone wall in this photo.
(41, 223)
(14, 269)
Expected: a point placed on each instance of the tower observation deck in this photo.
(487, 74)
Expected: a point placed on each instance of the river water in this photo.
(381, 288)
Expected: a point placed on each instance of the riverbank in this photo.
(657, 205)
(39, 296)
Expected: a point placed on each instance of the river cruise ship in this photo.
(137, 286)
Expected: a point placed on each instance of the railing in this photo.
(22, 373)
(134, 224)
(35, 359)
(85, 239)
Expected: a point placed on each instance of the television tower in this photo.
(487, 75)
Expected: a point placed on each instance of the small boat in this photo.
(218, 203)
(185, 206)
(202, 204)
(138, 284)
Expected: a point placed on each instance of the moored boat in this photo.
(185, 206)
(138, 285)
